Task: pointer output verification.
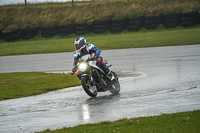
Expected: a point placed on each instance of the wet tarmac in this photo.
(153, 81)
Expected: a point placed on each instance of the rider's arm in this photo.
(76, 58)
(94, 49)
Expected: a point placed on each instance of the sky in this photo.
(8, 2)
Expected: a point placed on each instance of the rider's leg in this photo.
(100, 63)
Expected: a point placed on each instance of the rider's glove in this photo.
(96, 56)
(73, 69)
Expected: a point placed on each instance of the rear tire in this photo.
(90, 89)
(115, 87)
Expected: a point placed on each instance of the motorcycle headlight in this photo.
(82, 66)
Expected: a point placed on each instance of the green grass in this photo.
(184, 122)
(16, 85)
(144, 38)
(51, 14)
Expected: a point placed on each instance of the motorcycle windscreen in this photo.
(85, 57)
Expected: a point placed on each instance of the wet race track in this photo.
(153, 81)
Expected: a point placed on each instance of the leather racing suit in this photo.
(89, 49)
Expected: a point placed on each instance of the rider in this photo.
(82, 49)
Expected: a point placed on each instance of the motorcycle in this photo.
(94, 79)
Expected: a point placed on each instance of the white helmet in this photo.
(80, 43)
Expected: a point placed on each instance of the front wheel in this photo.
(115, 87)
(89, 87)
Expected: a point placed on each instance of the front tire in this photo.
(88, 87)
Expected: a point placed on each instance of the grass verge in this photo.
(52, 14)
(184, 122)
(16, 85)
(143, 38)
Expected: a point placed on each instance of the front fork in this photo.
(89, 75)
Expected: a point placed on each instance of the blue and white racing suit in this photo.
(88, 50)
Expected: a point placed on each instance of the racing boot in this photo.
(109, 75)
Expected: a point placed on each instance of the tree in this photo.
(72, 2)
(25, 3)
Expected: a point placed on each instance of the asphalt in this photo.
(153, 81)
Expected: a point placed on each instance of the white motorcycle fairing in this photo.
(86, 57)
(93, 64)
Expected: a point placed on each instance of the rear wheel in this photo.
(115, 87)
(89, 87)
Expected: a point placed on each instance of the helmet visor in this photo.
(78, 46)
